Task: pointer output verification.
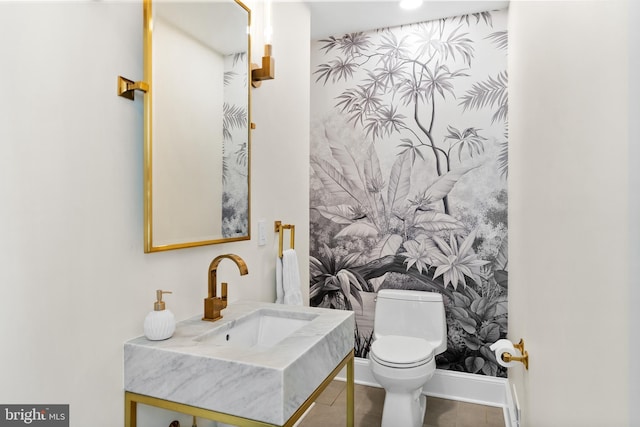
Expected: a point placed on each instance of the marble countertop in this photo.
(265, 384)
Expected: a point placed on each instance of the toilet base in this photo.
(405, 409)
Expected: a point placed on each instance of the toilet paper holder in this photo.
(508, 357)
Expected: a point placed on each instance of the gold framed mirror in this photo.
(197, 140)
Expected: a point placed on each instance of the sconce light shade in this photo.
(410, 4)
(267, 72)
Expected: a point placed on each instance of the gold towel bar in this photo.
(280, 227)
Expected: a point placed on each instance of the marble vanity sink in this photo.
(260, 361)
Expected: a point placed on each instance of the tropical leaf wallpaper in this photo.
(409, 166)
(235, 157)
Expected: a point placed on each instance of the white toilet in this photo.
(409, 330)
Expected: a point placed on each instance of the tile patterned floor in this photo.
(330, 410)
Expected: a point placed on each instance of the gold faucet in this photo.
(214, 305)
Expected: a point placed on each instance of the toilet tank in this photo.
(411, 313)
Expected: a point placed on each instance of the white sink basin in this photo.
(263, 328)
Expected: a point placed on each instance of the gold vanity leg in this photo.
(130, 411)
(350, 392)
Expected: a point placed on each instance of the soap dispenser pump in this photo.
(160, 323)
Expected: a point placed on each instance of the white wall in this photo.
(569, 211)
(634, 210)
(74, 281)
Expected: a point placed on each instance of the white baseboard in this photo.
(472, 388)
(512, 407)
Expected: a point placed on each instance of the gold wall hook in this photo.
(126, 87)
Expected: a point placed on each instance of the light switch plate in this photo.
(262, 232)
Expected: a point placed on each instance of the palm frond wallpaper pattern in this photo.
(409, 164)
(235, 159)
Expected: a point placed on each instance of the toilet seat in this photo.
(401, 352)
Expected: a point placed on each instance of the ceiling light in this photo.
(410, 4)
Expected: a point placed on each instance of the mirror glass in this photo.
(197, 142)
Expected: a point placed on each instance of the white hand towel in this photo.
(279, 289)
(291, 278)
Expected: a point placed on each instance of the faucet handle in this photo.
(224, 294)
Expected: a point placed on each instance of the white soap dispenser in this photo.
(160, 323)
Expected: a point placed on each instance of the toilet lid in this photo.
(401, 352)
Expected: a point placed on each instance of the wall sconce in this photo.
(267, 72)
(410, 4)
